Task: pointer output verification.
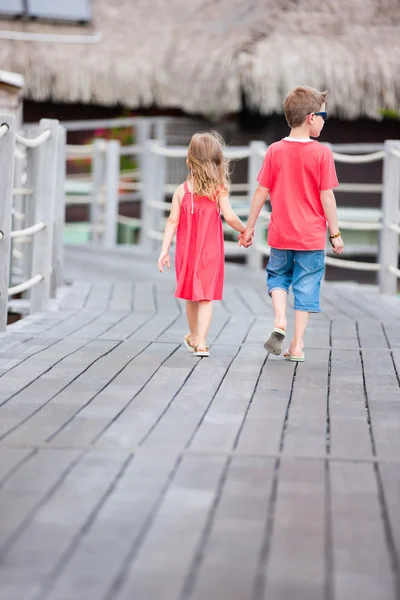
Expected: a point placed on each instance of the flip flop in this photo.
(186, 342)
(203, 353)
(274, 343)
(288, 356)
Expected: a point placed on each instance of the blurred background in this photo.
(154, 71)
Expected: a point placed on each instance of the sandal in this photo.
(288, 356)
(186, 341)
(205, 352)
(274, 343)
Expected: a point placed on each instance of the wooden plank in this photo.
(144, 298)
(11, 459)
(227, 557)
(121, 521)
(100, 326)
(77, 295)
(155, 573)
(17, 378)
(122, 296)
(165, 300)
(361, 560)
(31, 397)
(344, 334)
(94, 418)
(28, 487)
(235, 330)
(298, 533)
(153, 402)
(371, 334)
(263, 426)
(390, 477)
(157, 327)
(383, 396)
(349, 427)
(126, 327)
(68, 400)
(233, 302)
(305, 432)
(223, 420)
(37, 553)
(99, 296)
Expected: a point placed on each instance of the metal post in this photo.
(257, 150)
(112, 194)
(97, 201)
(7, 149)
(389, 239)
(44, 199)
(59, 217)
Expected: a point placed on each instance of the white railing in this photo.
(155, 205)
(156, 183)
(32, 171)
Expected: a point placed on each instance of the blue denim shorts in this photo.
(301, 269)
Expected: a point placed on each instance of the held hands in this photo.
(337, 245)
(246, 238)
(163, 260)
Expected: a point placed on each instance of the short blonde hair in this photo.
(209, 169)
(300, 102)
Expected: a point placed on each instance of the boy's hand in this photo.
(246, 238)
(164, 260)
(337, 245)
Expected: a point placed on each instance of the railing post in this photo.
(147, 194)
(389, 239)
(97, 200)
(7, 149)
(257, 149)
(112, 194)
(44, 201)
(32, 166)
(59, 217)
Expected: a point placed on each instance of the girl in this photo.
(195, 214)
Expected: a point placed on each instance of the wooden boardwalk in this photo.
(130, 470)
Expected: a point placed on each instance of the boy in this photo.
(299, 173)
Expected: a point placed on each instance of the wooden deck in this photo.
(131, 470)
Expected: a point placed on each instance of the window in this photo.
(60, 10)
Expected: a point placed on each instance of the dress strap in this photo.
(185, 187)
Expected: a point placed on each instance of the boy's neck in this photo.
(300, 133)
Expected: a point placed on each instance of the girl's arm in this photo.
(230, 217)
(170, 229)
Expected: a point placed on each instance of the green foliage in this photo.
(390, 113)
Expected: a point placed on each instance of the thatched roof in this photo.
(205, 56)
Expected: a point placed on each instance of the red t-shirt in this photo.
(295, 173)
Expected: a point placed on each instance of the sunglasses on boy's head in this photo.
(321, 113)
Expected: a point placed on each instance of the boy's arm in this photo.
(329, 205)
(259, 198)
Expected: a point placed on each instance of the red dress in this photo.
(199, 256)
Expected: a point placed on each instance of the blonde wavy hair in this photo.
(209, 169)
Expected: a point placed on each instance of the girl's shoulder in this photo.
(181, 191)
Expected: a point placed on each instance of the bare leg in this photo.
(192, 310)
(279, 302)
(300, 324)
(203, 322)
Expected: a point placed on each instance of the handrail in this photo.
(26, 285)
(28, 231)
(33, 142)
(3, 130)
(358, 158)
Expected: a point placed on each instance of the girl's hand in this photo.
(164, 260)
